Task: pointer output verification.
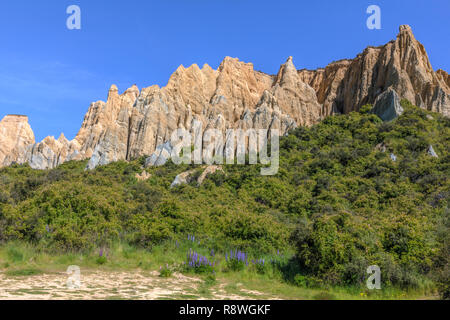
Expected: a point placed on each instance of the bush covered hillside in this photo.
(351, 192)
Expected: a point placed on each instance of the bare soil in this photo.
(102, 285)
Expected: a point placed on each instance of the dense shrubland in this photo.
(339, 201)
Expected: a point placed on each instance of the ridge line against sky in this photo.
(52, 74)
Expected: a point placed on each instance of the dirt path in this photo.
(116, 285)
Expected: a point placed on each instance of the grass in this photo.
(23, 272)
(22, 260)
(31, 291)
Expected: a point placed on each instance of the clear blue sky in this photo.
(52, 74)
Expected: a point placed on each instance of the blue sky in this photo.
(52, 74)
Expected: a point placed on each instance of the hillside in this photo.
(351, 191)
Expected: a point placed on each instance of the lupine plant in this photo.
(191, 238)
(260, 265)
(236, 260)
(101, 257)
(165, 272)
(198, 263)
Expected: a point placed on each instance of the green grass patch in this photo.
(23, 272)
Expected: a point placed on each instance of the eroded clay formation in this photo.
(140, 122)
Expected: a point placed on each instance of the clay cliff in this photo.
(401, 64)
(15, 136)
(140, 122)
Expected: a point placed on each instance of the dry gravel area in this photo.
(101, 285)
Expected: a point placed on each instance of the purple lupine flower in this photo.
(196, 260)
(101, 252)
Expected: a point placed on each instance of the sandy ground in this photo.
(103, 285)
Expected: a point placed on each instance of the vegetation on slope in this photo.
(338, 202)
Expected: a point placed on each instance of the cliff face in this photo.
(15, 136)
(234, 96)
(402, 65)
(137, 123)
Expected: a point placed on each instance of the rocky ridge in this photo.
(140, 122)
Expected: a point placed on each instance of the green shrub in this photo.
(235, 265)
(324, 296)
(300, 281)
(261, 268)
(165, 271)
(15, 254)
(101, 260)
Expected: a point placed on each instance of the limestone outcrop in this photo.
(387, 105)
(51, 152)
(432, 153)
(235, 96)
(144, 176)
(401, 64)
(15, 136)
(209, 170)
(187, 176)
(182, 178)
